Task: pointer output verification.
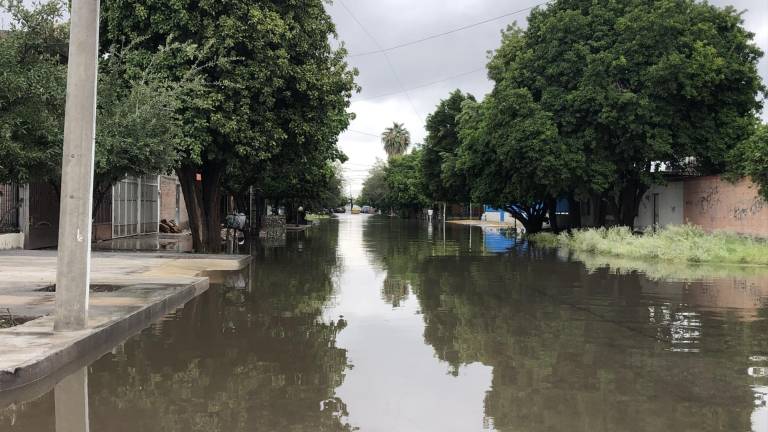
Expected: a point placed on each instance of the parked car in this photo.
(340, 210)
(366, 210)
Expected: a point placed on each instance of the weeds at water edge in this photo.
(684, 243)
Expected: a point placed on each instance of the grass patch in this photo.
(682, 244)
(668, 270)
(315, 217)
(546, 239)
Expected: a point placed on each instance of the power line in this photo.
(423, 85)
(389, 62)
(449, 32)
(363, 133)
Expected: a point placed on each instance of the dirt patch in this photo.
(94, 288)
(8, 320)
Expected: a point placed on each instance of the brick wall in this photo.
(718, 205)
(168, 201)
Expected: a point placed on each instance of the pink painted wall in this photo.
(718, 205)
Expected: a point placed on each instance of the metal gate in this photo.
(9, 208)
(135, 206)
(41, 202)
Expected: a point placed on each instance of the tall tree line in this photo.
(228, 94)
(591, 98)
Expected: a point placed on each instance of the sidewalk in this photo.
(129, 291)
(480, 223)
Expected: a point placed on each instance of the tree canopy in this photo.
(405, 185)
(137, 125)
(440, 151)
(397, 185)
(750, 158)
(276, 90)
(32, 93)
(375, 189)
(513, 155)
(634, 82)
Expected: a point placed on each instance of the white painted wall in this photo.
(496, 217)
(670, 203)
(11, 241)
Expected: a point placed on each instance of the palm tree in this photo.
(396, 140)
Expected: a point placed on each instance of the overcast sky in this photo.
(393, 22)
(458, 60)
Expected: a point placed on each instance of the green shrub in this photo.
(684, 243)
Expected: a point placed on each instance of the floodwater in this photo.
(364, 323)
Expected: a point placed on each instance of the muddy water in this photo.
(372, 325)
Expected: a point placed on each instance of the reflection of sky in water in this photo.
(760, 414)
(759, 371)
(395, 383)
(682, 329)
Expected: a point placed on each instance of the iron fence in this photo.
(9, 207)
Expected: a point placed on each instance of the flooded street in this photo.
(365, 323)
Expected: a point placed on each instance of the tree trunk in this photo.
(629, 203)
(532, 218)
(257, 214)
(574, 213)
(534, 224)
(212, 172)
(600, 210)
(613, 208)
(552, 204)
(192, 198)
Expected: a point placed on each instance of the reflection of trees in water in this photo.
(666, 270)
(395, 291)
(235, 360)
(573, 350)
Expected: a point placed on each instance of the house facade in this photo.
(710, 202)
(133, 206)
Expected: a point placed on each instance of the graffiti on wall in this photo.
(716, 204)
(709, 200)
(741, 213)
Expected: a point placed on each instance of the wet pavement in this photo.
(365, 323)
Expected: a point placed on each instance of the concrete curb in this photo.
(100, 339)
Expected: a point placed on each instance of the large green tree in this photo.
(750, 158)
(634, 82)
(440, 151)
(513, 155)
(405, 185)
(32, 93)
(137, 127)
(375, 189)
(276, 87)
(397, 185)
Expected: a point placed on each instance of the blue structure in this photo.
(495, 241)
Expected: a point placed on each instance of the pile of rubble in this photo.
(170, 227)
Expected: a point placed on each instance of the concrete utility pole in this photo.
(74, 264)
